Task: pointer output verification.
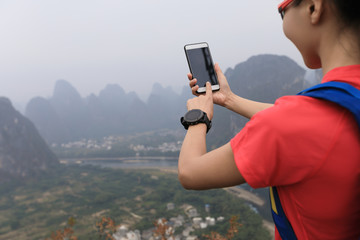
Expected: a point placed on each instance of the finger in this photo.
(190, 76)
(208, 89)
(194, 90)
(193, 82)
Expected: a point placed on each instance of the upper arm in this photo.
(215, 169)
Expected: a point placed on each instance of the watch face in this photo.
(193, 115)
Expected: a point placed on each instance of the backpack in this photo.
(340, 93)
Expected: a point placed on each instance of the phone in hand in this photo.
(201, 65)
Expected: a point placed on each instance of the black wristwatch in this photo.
(194, 117)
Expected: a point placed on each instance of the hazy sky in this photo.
(134, 43)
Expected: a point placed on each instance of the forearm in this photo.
(193, 147)
(199, 169)
(194, 144)
(245, 107)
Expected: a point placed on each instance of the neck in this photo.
(343, 51)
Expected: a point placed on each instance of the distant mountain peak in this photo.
(271, 57)
(65, 91)
(267, 61)
(114, 88)
(111, 92)
(159, 90)
(5, 104)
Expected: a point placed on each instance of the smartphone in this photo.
(201, 65)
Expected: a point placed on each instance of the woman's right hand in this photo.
(219, 97)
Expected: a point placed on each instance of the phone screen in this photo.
(201, 65)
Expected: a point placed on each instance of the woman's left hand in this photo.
(204, 102)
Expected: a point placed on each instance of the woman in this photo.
(308, 148)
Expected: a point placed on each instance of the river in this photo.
(128, 162)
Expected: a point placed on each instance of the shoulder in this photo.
(296, 133)
(300, 115)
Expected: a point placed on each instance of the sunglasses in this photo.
(282, 6)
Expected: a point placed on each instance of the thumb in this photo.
(218, 70)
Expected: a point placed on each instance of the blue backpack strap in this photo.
(343, 94)
(282, 223)
(340, 93)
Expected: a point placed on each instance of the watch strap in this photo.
(204, 119)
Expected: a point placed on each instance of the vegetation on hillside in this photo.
(37, 208)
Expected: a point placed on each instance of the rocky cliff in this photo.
(23, 152)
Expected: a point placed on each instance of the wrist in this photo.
(230, 100)
(195, 117)
(201, 127)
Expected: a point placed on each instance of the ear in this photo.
(315, 10)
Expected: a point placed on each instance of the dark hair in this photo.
(348, 14)
(348, 11)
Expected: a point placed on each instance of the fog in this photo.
(91, 43)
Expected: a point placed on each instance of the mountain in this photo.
(266, 77)
(70, 108)
(48, 122)
(165, 107)
(67, 117)
(23, 152)
(261, 78)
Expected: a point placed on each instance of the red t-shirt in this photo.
(310, 150)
